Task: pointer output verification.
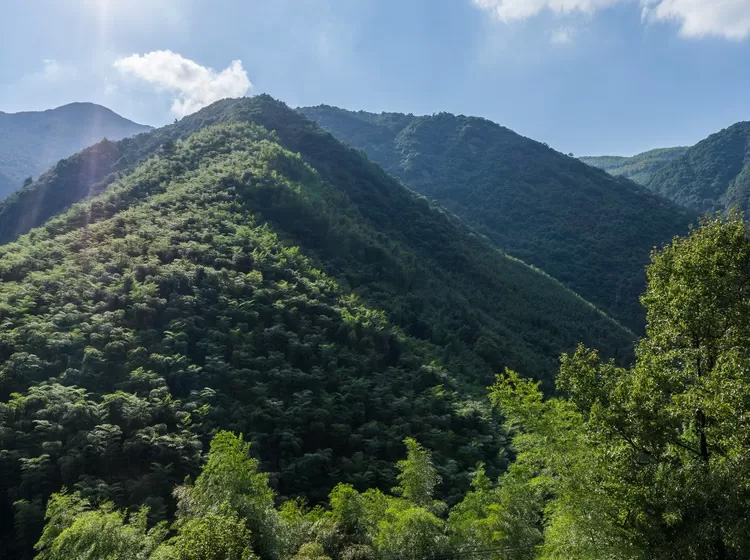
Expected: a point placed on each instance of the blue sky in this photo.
(585, 76)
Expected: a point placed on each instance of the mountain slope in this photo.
(276, 284)
(591, 231)
(31, 142)
(640, 167)
(713, 175)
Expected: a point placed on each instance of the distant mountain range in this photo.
(591, 231)
(639, 168)
(31, 142)
(712, 176)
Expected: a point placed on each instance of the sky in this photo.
(586, 76)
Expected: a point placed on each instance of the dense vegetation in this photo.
(30, 142)
(591, 231)
(306, 300)
(640, 167)
(713, 175)
(652, 461)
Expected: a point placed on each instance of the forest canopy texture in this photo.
(589, 230)
(243, 271)
(649, 461)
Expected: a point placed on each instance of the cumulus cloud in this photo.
(193, 85)
(697, 18)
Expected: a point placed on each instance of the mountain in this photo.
(243, 270)
(31, 142)
(591, 231)
(713, 175)
(640, 167)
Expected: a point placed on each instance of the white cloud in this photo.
(509, 10)
(698, 18)
(563, 36)
(52, 71)
(194, 86)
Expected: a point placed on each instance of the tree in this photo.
(77, 530)
(410, 533)
(215, 536)
(652, 461)
(230, 481)
(417, 477)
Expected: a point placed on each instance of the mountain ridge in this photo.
(266, 279)
(639, 167)
(591, 231)
(711, 176)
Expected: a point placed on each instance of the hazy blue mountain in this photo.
(31, 142)
(640, 167)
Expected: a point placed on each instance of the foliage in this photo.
(417, 477)
(649, 461)
(225, 283)
(652, 461)
(591, 231)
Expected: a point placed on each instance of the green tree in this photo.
(230, 481)
(214, 536)
(652, 461)
(410, 533)
(417, 476)
(76, 530)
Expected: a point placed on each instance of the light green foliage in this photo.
(410, 533)
(417, 477)
(503, 519)
(212, 536)
(76, 530)
(311, 551)
(230, 481)
(651, 461)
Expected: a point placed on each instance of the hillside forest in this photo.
(236, 337)
(648, 461)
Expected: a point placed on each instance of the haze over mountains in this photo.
(640, 167)
(31, 142)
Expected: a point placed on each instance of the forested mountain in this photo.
(713, 175)
(30, 142)
(640, 167)
(243, 270)
(645, 462)
(591, 231)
